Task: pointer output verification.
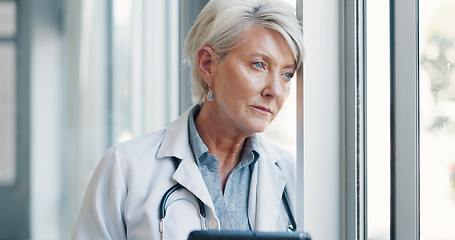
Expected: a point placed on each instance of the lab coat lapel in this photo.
(266, 188)
(189, 176)
(176, 144)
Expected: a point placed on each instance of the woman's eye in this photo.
(289, 75)
(258, 65)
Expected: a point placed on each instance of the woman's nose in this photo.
(275, 87)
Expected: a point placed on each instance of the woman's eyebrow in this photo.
(262, 55)
(269, 59)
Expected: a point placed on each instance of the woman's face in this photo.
(252, 82)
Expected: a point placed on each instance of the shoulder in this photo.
(143, 153)
(140, 145)
(124, 156)
(137, 154)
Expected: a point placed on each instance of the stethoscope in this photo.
(200, 205)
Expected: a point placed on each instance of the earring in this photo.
(210, 96)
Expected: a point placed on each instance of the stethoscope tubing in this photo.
(162, 209)
(169, 193)
(293, 225)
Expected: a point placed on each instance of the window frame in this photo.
(15, 195)
(354, 213)
(404, 119)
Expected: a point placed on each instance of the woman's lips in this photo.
(262, 110)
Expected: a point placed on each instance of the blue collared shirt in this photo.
(232, 207)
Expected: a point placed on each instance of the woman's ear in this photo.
(206, 62)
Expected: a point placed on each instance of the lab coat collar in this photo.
(176, 144)
(175, 141)
(265, 194)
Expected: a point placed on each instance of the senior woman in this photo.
(243, 54)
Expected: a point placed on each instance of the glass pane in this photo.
(7, 113)
(378, 120)
(437, 119)
(122, 51)
(7, 19)
(144, 56)
(284, 127)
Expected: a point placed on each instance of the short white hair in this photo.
(221, 24)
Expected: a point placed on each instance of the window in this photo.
(145, 66)
(421, 124)
(437, 119)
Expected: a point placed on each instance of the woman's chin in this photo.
(258, 127)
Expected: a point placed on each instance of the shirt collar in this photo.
(250, 151)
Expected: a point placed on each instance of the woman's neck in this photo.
(222, 142)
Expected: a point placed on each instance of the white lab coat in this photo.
(123, 196)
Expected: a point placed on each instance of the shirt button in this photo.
(213, 225)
